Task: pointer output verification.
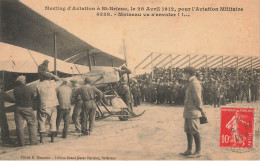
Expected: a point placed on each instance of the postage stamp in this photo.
(237, 127)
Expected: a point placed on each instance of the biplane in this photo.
(26, 33)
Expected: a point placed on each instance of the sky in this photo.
(210, 33)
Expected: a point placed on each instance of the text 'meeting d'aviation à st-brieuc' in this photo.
(173, 9)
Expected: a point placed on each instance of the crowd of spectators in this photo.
(220, 86)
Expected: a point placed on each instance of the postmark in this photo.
(237, 127)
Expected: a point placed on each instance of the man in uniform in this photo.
(124, 92)
(146, 93)
(232, 94)
(215, 94)
(64, 94)
(136, 94)
(206, 93)
(153, 93)
(175, 90)
(237, 90)
(245, 90)
(24, 96)
(160, 93)
(170, 93)
(192, 107)
(3, 119)
(254, 91)
(222, 94)
(88, 93)
(77, 111)
(210, 91)
(141, 87)
(165, 93)
(43, 70)
(46, 90)
(180, 95)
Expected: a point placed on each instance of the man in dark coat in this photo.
(136, 94)
(153, 93)
(170, 93)
(147, 93)
(206, 93)
(254, 91)
(245, 90)
(141, 87)
(24, 96)
(215, 95)
(237, 90)
(3, 119)
(77, 111)
(165, 93)
(222, 95)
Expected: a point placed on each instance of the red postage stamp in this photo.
(237, 127)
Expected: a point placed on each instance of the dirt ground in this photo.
(156, 135)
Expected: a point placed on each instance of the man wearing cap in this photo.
(245, 90)
(124, 92)
(192, 107)
(77, 111)
(24, 96)
(46, 90)
(136, 94)
(254, 90)
(3, 119)
(43, 70)
(153, 94)
(64, 94)
(88, 93)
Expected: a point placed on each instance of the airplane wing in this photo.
(21, 26)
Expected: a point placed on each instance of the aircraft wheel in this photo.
(123, 118)
(97, 114)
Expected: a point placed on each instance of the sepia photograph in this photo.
(129, 80)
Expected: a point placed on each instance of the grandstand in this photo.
(198, 61)
(231, 77)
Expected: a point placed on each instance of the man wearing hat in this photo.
(43, 70)
(46, 90)
(3, 119)
(77, 111)
(24, 96)
(192, 107)
(88, 94)
(64, 94)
